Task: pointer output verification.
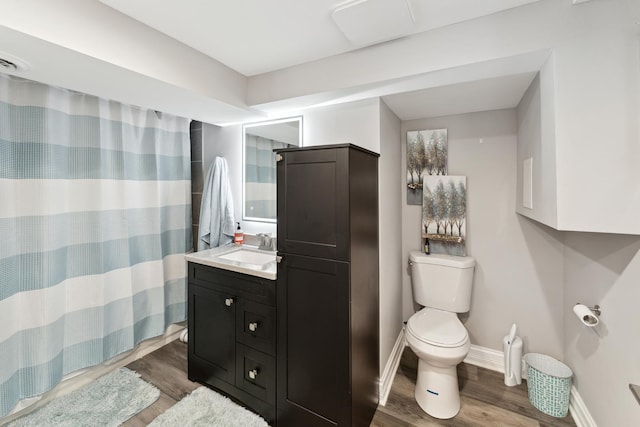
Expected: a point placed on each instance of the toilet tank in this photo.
(442, 281)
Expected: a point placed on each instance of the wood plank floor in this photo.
(486, 401)
(165, 368)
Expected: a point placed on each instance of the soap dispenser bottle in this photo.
(238, 236)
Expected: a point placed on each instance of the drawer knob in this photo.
(253, 326)
(228, 302)
(253, 374)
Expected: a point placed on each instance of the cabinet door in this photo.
(313, 203)
(212, 341)
(313, 382)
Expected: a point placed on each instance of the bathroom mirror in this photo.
(259, 171)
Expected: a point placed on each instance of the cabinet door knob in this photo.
(228, 302)
(253, 374)
(253, 326)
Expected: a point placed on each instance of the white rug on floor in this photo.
(205, 407)
(109, 401)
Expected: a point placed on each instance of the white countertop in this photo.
(211, 257)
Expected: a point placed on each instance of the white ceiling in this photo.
(468, 97)
(224, 62)
(258, 36)
(255, 37)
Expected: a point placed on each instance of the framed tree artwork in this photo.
(444, 213)
(427, 152)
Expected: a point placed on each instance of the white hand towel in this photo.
(216, 212)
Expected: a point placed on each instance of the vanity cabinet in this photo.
(232, 335)
(327, 286)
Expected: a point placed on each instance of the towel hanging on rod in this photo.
(216, 211)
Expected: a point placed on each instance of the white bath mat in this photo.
(205, 407)
(108, 401)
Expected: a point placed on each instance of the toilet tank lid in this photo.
(442, 259)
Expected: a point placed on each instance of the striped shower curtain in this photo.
(95, 217)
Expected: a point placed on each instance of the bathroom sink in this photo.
(249, 256)
(243, 259)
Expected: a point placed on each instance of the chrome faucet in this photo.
(267, 243)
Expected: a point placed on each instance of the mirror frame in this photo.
(245, 126)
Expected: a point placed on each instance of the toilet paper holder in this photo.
(595, 309)
(589, 316)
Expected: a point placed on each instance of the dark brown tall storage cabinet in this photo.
(327, 287)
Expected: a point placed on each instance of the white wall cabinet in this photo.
(579, 123)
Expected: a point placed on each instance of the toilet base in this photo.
(437, 390)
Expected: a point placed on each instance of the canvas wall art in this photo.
(427, 152)
(444, 213)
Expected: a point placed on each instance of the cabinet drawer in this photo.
(256, 326)
(242, 285)
(256, 373)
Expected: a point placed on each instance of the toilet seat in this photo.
(438, 328)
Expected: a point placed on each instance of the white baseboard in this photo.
(83, 377)
(389, 373)
(485, 358)
(579, 411)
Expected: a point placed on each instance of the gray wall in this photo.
(604, 269)
(532, 275)
(518, 277)
(527, 273)
(391, 263)
(536, 140)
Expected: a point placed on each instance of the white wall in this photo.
(390, 210)
(518, 277)
(595, 47)
(604, 269)
(90, 47)
(349, 123)
(372, 125)
(597, 105)
(355, 123)
(369, 124)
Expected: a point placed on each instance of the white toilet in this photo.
(442, 284)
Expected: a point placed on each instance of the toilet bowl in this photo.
(442, 285)
(441, 342)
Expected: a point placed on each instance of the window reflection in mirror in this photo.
(259, 172)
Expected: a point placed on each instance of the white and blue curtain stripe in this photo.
(95, 219)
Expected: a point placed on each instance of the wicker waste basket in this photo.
(549, 384)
